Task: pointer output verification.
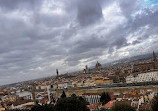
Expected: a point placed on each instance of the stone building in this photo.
(98, 66)
(143, 77)
(91, 98)
(146, 66)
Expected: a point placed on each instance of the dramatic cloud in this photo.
(38, 36)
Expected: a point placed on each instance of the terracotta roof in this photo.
(94, 106)
(43, 100)
(109, 104)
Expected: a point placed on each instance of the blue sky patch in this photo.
(149, 3)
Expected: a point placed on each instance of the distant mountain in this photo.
(134, 58)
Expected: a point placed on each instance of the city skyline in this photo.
(40, 36)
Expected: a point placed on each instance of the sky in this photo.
(39, 36)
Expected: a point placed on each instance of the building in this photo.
(104, 80)
(98, 66)
(67, 85)
(22, 104)
(146, 66)
(24, 95)
(86, 70)
(2, 92)
(143, 77)
(91, 98)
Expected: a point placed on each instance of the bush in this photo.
(63, 95)
(154, 103)
(105, 98)
(70, 104)
(45, 107)
(19, 110)
(144, 110)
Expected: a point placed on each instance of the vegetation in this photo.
(71, 104)
(45, 107)
(75, 103)
(154, 103)
(105, 98)
(73, 95)
(122, 107)
(19, 110)
(103, 109)
(144, 110)
(63, 95)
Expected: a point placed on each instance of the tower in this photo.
(34, 98)
(154, 57)
(86, 67)
(155, 61)
(98, 66)
(57, 73)
(57, 77)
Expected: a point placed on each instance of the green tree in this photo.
(154, 103)
(19, 110)
(70, 104)
(80, 98)
(45, 107)
(144, 110)
(122, 107)
(63, 95)
(74, 95)
(105, 98)
(83, 100)
(103, 109)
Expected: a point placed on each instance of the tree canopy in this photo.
(63, 95)
(154, 103)
(105, 98)
(70, 104)
(45, 107)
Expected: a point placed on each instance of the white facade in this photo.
(92, 99)
(22, 106)
(61, 86)
(25, 94)
(67, 85)
(143, 77)
(131, 79)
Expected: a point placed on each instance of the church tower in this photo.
(98, 66)
(155, 61)
(154, 57)
(57, 73)
(57, 77)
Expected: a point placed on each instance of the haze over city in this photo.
(39, 36)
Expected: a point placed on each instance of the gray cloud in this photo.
(9, 5)
(88, 14)
(129, 8)
(39, 36)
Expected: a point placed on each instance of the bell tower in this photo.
(154, 57)
(57, 73)
(155, 61)
(57, 77)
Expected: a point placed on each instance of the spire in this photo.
(154, 56)
(57, 73)
(86, 67)
(57, 77)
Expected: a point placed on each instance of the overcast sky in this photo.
(38, 36)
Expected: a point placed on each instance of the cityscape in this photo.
(79, 55)
(131, 82)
